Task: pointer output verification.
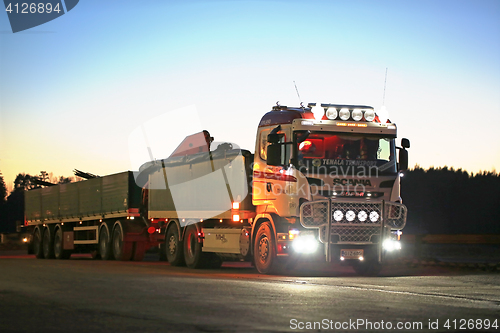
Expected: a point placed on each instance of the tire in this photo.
(59, 252)
(121, 250)
(37, 243)
(174, 248)
(265, 258)
(105, 249)
(193, 256)
(48, 242)
(368, 268)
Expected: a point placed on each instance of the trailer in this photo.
(86, 216)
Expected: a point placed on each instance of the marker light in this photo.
(331, 113)
(344, 114)
(292, 234)
(369, 115)
(357, 115)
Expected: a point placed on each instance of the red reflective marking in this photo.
(274, 176)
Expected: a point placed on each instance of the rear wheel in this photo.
(48, 242)
(174, 250)
(266, 260)
(37, 243)
(121, 250)
(59, 251)
(192, 248)
(105, 243)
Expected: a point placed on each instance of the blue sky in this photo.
(74, 90)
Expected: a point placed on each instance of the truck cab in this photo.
(333, 179)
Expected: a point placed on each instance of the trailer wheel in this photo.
(59, 252)
(48, 242)
(192, 248)
(174, 248)
(105, 243)
(37, 243)
(121, 250)
(266, 260)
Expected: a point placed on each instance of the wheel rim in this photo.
(190, 245)
(46, 243)
(103, 240)
(117, 241)
(37, 241)
(172, 244)
(264, 249)
(57, 242)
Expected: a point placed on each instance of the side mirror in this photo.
(405, 143)
(274, 154)
(403, 159)
(273, 138)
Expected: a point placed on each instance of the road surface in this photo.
(85, 295)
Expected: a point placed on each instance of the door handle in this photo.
(269, 187)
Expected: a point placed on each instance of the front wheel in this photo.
(264, 251)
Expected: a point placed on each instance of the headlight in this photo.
(344, 114)
(391, 245)
(374, 216)
(362, 216)
(331, 113)
(350, 215)
(369, 115)
(338, 216)
(305, 244)
(357, 115)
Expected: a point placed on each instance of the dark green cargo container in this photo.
(103, 197)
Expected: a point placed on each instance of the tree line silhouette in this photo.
(449, 201)
(439, 201)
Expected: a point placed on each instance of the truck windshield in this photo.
(327, 152)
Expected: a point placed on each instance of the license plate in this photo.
(351, 254)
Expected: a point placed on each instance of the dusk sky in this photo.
(82, 90)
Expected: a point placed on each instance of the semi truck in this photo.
(323, 184)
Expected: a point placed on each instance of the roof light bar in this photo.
(356, 114)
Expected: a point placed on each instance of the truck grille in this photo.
(352, 222)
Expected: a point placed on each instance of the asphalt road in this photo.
(84, 295)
